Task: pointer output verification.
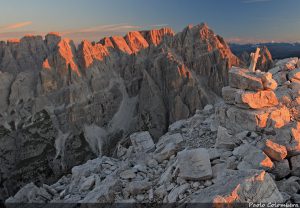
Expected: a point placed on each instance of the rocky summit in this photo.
(152, 117)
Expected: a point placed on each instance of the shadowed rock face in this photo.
(143, 81)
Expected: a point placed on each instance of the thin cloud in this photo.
(16, 25)
(255, 1)
(100, 31)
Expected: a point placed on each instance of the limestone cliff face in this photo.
(143, 81)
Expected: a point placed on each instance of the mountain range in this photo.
(62, 104)
(278, 50)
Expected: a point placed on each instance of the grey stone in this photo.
(194, 164)
(142, 141)
(174, 194)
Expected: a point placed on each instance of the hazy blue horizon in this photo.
(240, 21)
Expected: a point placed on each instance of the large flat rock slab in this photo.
(240, 187)
(194, 164)
(244, 79)
(237, 119)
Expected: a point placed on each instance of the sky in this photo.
(238, 21)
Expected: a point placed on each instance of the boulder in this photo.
(257, 100)
(194, 164)
(225, 140)
(239, 187)
(275, 151)
(252, 158)
(142, 142)
(244, 79)
(238, 120)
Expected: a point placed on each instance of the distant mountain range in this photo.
(278, 50)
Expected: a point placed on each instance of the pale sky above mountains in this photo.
(237, 20)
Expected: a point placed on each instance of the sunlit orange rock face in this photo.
(121, 44)
(275, 151)
(106, 42)
(155, 37)
(66, 51)
(260, 99)
(280, 117)
(14, 40)
(88, 53)
(136, 41)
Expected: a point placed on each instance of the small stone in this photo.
(141, 168)
(180, 180)
(196, 185)
(208, 109)
(161, 192)
(140, 197)
(208, 183)
(174, 194)
(128, 174)
(152, 163)
(88, 184)
(151, 195)
(170, 187)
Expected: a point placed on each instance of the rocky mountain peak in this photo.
(265, 61)
(155, 37)
(65, 57)
(136, 41)
(88, 53)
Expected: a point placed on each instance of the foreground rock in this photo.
(240, 187)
